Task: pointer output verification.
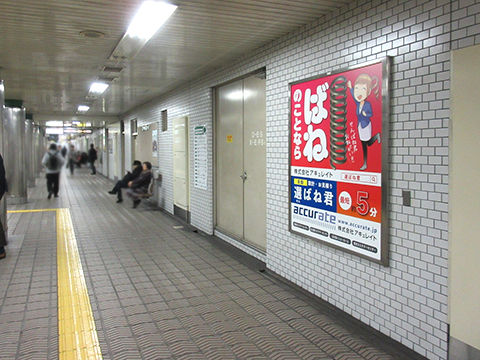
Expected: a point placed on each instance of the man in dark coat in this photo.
(3, 190)
(117, 189)
(92, 157)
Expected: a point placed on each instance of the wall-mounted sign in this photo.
(200, 157)
(339, 159)
(77, 131)
(146, 127)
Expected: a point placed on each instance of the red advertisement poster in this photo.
(338, 154)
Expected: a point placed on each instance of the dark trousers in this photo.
(53, 182)
(3, 239)
(118, 188)
(92, 164)
(71, 165)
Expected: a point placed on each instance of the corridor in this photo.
(158, 289)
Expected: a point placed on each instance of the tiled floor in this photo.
(160, 290)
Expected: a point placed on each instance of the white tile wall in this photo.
(408, 300)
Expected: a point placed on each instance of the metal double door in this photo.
(241, 160)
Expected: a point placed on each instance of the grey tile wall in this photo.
(408, 300)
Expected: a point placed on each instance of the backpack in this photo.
(52, 162)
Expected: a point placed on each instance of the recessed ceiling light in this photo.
(83, 108)
(92, 34)
(98, 88)
(149, 18)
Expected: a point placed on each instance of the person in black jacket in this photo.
(139, 186)
(92, 157)
(3, 190)
(117, 189)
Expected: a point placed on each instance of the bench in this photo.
(151, 190)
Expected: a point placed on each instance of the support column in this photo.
(14, 142)
(36, 148)
(3, 202)
(29, 155)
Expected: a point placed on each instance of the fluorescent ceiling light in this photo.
(83, 108)
(54, 123)
(53, 131)
(98, 88)
(149, 18)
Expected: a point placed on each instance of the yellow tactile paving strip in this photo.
(76, 326)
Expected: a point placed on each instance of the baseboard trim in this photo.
(458, 350)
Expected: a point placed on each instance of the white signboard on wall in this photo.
(200, 156)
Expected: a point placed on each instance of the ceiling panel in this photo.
(48, 64)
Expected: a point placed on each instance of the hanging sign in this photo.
(339, 159)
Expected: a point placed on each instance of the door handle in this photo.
(244, 176)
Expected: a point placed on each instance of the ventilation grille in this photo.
(106, 79)
(112, 69)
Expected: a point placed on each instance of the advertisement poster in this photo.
(339, 159)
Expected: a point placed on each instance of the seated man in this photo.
(117, 189)
(139, 186)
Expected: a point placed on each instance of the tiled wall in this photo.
(407, 300)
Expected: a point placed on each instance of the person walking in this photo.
(72, 158)
(3, 190)
(92, 157)
(117, 189)
(63, 150)
(53, 161)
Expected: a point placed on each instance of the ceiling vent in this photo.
(106, 79)
(112, 69)
(92, 34)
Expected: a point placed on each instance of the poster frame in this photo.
(385, 160)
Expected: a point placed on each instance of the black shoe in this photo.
(55, 195)
(3, 254)
(119, 201)
(112, 192)
(49, 195)
(136, 202)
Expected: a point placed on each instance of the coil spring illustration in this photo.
(338, 121)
